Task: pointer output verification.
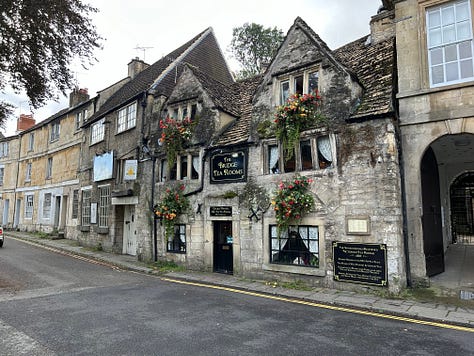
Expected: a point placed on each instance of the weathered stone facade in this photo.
(436, 118)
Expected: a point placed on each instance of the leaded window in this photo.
(104, 204)
(127, 118)
(299, 245)
(178, 242)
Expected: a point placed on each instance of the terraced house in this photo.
(346, 168)
(47, 184)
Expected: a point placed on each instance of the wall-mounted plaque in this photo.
(360, 263)
(358, 225)
(220, 211)
(229, 167)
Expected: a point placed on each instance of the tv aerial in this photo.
(143, 49)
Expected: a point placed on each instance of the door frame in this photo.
(223, 250)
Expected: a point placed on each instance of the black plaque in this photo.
(221, 211)
(229, 167)
(360, 263)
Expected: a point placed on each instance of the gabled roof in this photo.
(373, 65)
(225, 97)
(202, 51)
(239, 131)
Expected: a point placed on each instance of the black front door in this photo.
(431, 220)
(223, 258)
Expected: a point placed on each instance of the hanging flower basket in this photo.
(173, 203)
(292, 201)
(174, 136)
(300, 112)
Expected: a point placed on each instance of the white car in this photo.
(1, 236)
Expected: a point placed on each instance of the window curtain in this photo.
(196, 163)
(324, 147)
(274, 156)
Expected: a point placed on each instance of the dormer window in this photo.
(183, 111)
(450, 45)
(127, 118)
(299, 83)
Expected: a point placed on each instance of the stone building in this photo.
(436, 101)
(115, 169)
(47, 184)
(232, 165)
(9, 153)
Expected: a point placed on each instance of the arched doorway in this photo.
(431, 214)
(462, 209)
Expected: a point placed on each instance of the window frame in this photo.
(291, 79)
(433, 7)
(176, 173)
(176, 244)
(127, 117)
(55, 131)
(104, 205)
(316, 164)
(47, 204)
(97, 132)
(4, 148)
(49, 168)
(28, 171)
(75, 204)
(29, 206)
(86, 195)
(2, 174)
(31, 141)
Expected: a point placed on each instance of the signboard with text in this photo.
(229, 167)
(360, 263)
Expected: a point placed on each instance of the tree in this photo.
(38, 42)
(254, 47)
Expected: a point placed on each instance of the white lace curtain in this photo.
(324, 147)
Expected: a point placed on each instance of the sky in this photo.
(158, 27)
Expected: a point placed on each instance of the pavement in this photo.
(437, 312)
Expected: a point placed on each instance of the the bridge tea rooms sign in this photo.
(229, 167)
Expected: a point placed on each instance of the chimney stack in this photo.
(25, 122)
(78, 96)
(382, 26)
(136, 66)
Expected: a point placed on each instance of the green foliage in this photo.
(166, 266)
(230, 194)
(172, 204)
(254, 47)
(254, 195)
(38, 41)
(292, 201)
(299, 113)
(174, 136)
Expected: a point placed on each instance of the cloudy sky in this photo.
(161, 26)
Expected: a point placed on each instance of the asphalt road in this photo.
(53, 304)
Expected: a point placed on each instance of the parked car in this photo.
(1, 236)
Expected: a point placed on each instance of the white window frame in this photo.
(49, 168)
(47, 202)
(4, 149)
(31, 141)
(127, 118)
(29, 168)
(104, 205)
(86, 206)
(29, 204)
(444, 44)
(2, 174)
(55, 131)
(97, 131)
(79, 119)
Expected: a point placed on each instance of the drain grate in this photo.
(466, 295)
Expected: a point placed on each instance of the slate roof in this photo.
(225, 97)
(202, 51)
(239, 131)
(373, 64)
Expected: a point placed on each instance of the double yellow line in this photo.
(323, 306)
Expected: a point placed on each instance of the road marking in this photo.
(69, 254)
(323, 306)
(15, 342)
